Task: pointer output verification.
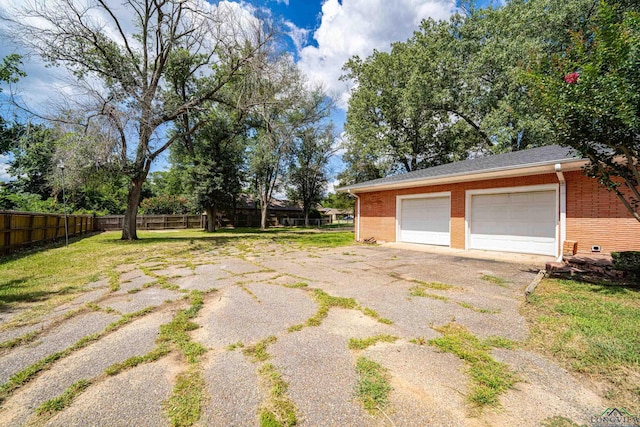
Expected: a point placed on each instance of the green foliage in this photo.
(307, 172)
(164, 205)
(627, 261)
(490, 378)
(258, 351)
(57, 404)
(361, 344)
(279, 410)
(589, 91)
(185, 404)
(10, 71)
(373, 386)
(339, 201)
(591, 329)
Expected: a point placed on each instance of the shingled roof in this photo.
(547, 155)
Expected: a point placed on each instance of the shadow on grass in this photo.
(13, 291)
(224, 236)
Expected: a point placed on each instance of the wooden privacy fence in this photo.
(151, 222)
(22, 229)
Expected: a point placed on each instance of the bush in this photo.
(164, 205)
(627, 261)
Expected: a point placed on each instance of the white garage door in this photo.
(425, 220)
(514, 222)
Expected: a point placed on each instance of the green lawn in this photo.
(593, 330)
(43, 278)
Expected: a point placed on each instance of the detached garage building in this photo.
(530, 201)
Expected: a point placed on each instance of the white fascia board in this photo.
(508, 172)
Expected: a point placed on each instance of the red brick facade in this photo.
(595, 216)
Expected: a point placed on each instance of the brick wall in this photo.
(594, 216)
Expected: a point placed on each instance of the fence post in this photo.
(7, 233)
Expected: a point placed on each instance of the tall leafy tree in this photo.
(214, 162)
(280, 106)
(125, 72)
(313, 147)
(591, 93)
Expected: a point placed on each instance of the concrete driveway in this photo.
(271, 290)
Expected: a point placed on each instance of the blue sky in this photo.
(322, 36)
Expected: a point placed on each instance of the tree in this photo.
(313, 147)
(125, 72)
(281, 105)
(454, 88)
(214, 165)
(591, 93)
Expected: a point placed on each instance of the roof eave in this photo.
(504, 172)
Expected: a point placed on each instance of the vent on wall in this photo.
(596, 248)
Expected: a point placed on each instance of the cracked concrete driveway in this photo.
(274, 291)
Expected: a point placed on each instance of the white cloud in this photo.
(299, 36)
(4, 175)
(357, 27)
(282, 1)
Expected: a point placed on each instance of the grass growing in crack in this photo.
(127, 318)
(374, 315)
(258, 352)
(418, 341)
(24, 376)
(176, 331)
(419, 291)
(59, 403)
(326, 302)
(233, 346)
(490, 378)
(152, 356)
(22, 339)
(185, 404)
(296, 285)
(280, 410)
(495, 280)
(477, 309)
(361, 344)
(590, 329)
(373, 386)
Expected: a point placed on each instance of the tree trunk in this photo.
(211, 219)
(263, 216)
(306, 217)
(133, 201)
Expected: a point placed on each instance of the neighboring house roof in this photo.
(334, 211)
(535, 160)
(248, 202)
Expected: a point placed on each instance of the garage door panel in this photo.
(425, 220)
(514, 222)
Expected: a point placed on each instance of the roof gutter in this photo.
(563, 209)
(357, 215)
(504, 172)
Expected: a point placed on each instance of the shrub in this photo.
(164, 205)
(627, 261)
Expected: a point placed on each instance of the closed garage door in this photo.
(514, 222)
(425, 220)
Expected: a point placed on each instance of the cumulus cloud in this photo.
(4, 175)
(357, 27)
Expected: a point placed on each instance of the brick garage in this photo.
(584, 212)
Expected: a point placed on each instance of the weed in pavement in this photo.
(373, 386)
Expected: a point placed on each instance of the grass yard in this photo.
(43, 278)
(592, 330)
